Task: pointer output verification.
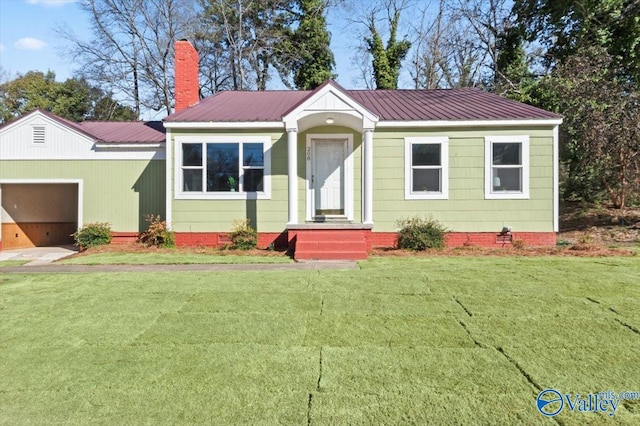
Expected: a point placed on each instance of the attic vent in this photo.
(38, 134)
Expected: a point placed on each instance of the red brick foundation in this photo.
(286, 239)
(221, 239)
(124, 237)
(478, 239)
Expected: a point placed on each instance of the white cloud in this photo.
(29, 43)
(1, 47)
(51, 2)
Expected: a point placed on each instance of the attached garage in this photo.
(38, 214)
(57, 176)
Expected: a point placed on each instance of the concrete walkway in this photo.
(38, 255)
(40, 260)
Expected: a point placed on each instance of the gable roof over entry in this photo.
(451, 105)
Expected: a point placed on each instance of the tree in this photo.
(305, 52)
(565, 27)
(460, 46)
(601, 133)
(387, 59)
(131, 51)
(73, 99)
(512, 77)
(251, 31)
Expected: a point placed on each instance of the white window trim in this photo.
(488, 187)
(177, 167)
(408, 167)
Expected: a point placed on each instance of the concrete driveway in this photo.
(38, 255)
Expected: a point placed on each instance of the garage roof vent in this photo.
(38, 134)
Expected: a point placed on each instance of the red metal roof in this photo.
(125, 131)
(232, 106)
(388, 105)
(111, 131)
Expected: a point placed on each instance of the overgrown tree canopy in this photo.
(591, 51)
(601, 131)
(566, 27)
(387, 60)
(305, 51)
(74, 99)
(251, 38)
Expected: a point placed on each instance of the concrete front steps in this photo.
(330, 244)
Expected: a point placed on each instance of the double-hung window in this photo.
(426, 168)
(222, 167)
(507, 167)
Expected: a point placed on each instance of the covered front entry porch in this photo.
(330, 227)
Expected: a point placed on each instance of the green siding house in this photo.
(326, 172)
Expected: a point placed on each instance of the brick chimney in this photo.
(186, 75)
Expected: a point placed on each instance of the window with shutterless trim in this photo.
(426, 168)
(223, 168)
(507, 167)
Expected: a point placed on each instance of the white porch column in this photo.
(292, 173)
(367, 205)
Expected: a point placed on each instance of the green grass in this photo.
(177, 258)
(10, 263)
(465, 340)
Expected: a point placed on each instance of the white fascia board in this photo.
(225, 125)
(130, 145)
(469, 123)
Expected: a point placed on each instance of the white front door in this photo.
(328, 177)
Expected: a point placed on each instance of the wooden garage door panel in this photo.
(23, 235)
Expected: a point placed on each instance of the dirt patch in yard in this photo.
(599, 226)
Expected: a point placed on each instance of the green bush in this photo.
(417, 233)
(157, 233)
(93, 234)
(243, 236)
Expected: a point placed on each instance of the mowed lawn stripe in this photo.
(386, 331)
(550, 331)
(196, 328)
(389, 304)
(257, 302)
(57, 368)
(161, 404)
(367, 370)
(426, 407)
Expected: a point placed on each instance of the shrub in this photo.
(157, 233)
(417, 233)
(92, 234)
(243, 236)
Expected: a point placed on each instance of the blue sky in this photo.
(28, 41)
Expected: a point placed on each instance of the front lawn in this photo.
(169, 257)
(10, 263)
(444, 340)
